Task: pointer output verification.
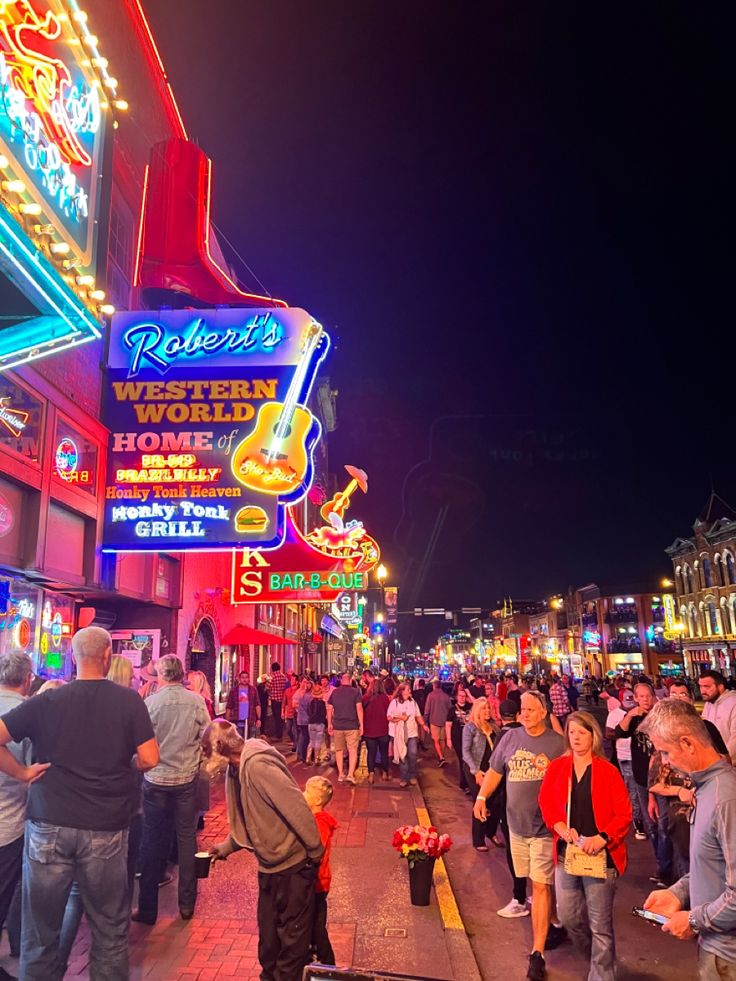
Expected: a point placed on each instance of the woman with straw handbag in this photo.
(584, 802)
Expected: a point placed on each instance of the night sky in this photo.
(517, 221)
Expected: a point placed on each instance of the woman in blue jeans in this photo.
(404, 712)
(584, 802)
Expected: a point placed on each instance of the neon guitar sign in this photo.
(276, 457)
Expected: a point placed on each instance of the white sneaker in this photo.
(512, 910)
(640, 836)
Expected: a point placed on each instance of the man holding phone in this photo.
(703, 902)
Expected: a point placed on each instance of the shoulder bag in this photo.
(577, 862)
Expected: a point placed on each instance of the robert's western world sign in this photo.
(211, 434)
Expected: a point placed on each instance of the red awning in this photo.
(248, 635)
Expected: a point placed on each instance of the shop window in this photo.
(13, 525)
(166, 572)
(65, 543)
(74, 459)
(54, 659)
(21, 420)
(19, 617)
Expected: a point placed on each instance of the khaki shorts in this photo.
(343, 738)
(533, 858)
(438, 733)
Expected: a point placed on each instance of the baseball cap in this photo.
(508, 708)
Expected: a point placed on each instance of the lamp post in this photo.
(679, 629)
(381, 575)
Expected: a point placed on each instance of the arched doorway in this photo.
(203, 651)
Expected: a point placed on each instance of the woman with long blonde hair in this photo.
(197, 682)
(478, 738)
(404, 712)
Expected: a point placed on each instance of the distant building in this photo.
(554, 639)
(624, 630)
(704, 572)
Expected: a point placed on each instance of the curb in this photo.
(459, 949)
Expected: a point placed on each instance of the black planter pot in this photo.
(420, 881)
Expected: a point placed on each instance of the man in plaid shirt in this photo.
(276, 688)
(560, 702)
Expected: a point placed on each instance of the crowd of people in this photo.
(101, 784)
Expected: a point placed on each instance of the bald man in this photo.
(87, 736)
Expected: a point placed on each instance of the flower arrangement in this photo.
(418, 844)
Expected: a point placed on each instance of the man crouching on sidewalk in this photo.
(268, 815)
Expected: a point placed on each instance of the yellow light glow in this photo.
(17, 186)
(4, 162)
(97, 295)
(381, 572)
(120, 104)
(110, 82)
(92, 40)
(107, 309)
(667, 583)
(85, 280)
(60, 248)
(31, 209)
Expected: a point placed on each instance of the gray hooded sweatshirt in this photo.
(709, 890)
(267, 812)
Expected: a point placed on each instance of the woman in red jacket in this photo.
(584, 801)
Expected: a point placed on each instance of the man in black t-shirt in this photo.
(88, 737)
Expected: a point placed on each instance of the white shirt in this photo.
(615, 714)
(410, 709)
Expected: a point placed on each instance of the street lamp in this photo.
(381, 575)
(668, 584)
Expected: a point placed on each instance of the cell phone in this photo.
(656, 918)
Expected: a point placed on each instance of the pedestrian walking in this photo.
(719, 707)
(561, 707)
(459, 716)
(318, 794)
(622, 756)
(408, 722)
(641, 753)
(375, 729)
(345, 725)
(243, 707)
(701, 903)
(179, 718)
(436, 711)
(317, 714)
(301, 701)
(585, 804)
(84, 736)
(276, 687)
(477, 749)
(523, 756)
(268, 815)
(516, 907)
(16, 674)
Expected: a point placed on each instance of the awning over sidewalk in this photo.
(248, 635)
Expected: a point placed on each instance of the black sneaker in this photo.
(442, 762)
(537, 968)
(555, 937)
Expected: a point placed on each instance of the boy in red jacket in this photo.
(318, 794)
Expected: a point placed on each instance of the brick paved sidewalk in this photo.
(371, 921)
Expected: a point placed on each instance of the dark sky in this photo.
(517, 219)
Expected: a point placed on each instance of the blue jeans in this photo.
(408, 766)
(316, 738)
(168, 809)
(291, 730)
(657, 832)
(578, 894)
(53, 859)
(302, 742)
(377, 747)
(628, 774)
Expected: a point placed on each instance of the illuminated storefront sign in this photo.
(51, 118)
(56, 97)
(211, 435)
(299, 571)
(670, 611)
(7, 518)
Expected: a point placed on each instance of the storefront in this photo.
(705, 657)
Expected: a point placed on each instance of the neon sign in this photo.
(66, 458)
(204, 411)
(14, 420)
(51, 116)
(151, 346)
